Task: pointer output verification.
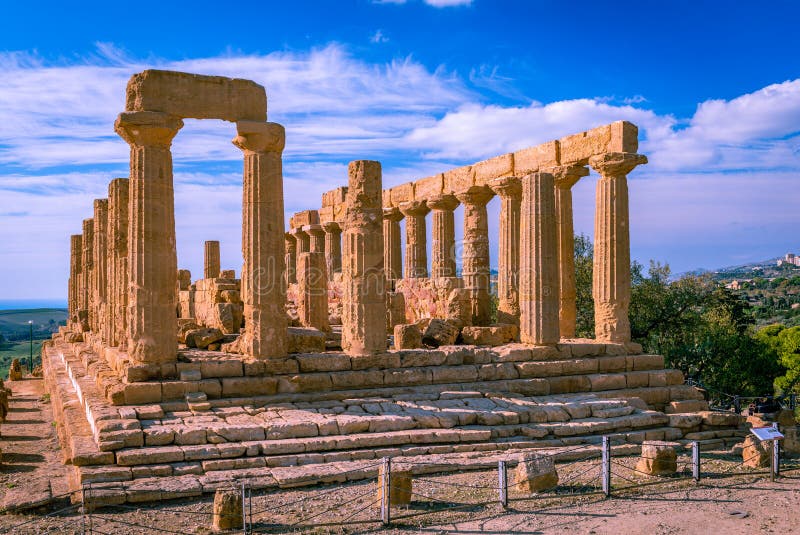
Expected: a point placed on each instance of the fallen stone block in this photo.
(535, 473)
(658, 458)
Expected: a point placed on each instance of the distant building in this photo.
(791, 259)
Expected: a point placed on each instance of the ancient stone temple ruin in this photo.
(339, 343)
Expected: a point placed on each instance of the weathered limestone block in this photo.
(196, 96)
(201, 338)
(227, 509)
(658, 458)
(440, 332)
(791, 442)
(395, 310)
(407, 336)
(400, 490)
(494, 335)
(535, 473)
(186, 325)
(756, 453)
(538, 287)
(15, 371)
(305, 340)
(364, 280)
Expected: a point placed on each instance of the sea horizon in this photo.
(25, 304)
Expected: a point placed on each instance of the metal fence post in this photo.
(696, 461)
(244, 511)
(386, 485)
(91, 526)
(83, 509)
(502, 483)
(606, 467)
(776, 460)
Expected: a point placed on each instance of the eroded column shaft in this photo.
(364, 295)
(333, 248)
(475, 255)
(443, 261)
(416, 259)
(211, 260)
(88, 271)
(392, 244)
(313, 281)
(75, 267)
(290, 243)
(152, 258)
(510, 191)
(263, 247)
(538, 288)
(118, 261)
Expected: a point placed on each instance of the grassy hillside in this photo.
(15, 333)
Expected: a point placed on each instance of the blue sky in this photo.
(421, 86)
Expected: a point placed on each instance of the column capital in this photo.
(255, 136)
(147, 128)
(475, 196)
(332, 227)
(297, 231)
(414, 208)
(392, 214)
(566, 176)
(443, 202)
(616, 164)
(289, 236)
(507, 186)
(313, 230)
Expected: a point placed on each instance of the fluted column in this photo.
(152, 258)
(75, 271)
(392, 244)
(333, 248)
(510, 191)
(88, 271)
(263, 247)
(303, 240)
(538, 287)
(416, 260)
(118, 261)
(565, 177)
(443, 259)
(211, 261)
(291, 257)
(99, 285)
(313, 282)
(475, 254)
(316, 238)
(364, 292)
(611, 283)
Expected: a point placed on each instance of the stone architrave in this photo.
(100, 280)
(75, 256)
(538, 285)
(290, 243)
(317, 238)
(364, 280)
(211, 261)
(510, 191)
(475, 255)
(443, 259)
(303, 240)
(152, 258)
(263, 248)
(392, 244)
(565, 177)
(611, 282)
(333, 248)
(88, 270)
(313, 281)
(118, 261)
(416, 259)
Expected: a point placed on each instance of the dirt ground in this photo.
(467, 502)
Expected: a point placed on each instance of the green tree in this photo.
(785, 342)
(584, 258)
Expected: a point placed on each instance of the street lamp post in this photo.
(30, 359)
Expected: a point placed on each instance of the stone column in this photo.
(118, 261)
(333, 248)
(611, 282)
(316, 238)
(538, 285)
(443, 259)
(75, 272)
(313, 282)
(100, 266)
(364, 292)
(88, 270)
(416, 260)
(303, 240)
(475, 256)
(565, 177)
(152, 258)
(263, 247)
(290, 243)
(392, 245)
(211, 262)
(510, 191)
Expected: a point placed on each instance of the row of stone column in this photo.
(325, 238)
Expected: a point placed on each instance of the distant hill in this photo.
(45, 321)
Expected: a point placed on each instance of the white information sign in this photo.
(767, 433)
